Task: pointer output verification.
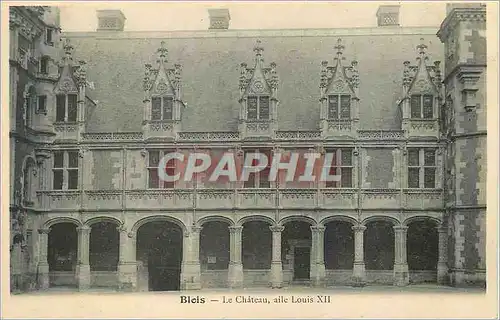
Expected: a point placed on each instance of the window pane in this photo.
(264, 108)
(429, 157)
(332, 172)
(44, 64)
(346, 157)
(154, 158)
(58, 179)
(429, 178)
(333, 107)
(346, 174)
(169, 171)
(49, 35)
(250, 183)
(72, 159)
(345, 107)
(42, 104)
(264, 179)
(153, 178)
(413, 178)
(428, 112)
(156, 108)
(168, 106)
(58, 159)
(252, 107)
(415, 106)
(413, 157)
(72, 108)
(72, 179)
(60, 107)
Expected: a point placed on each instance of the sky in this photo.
(171, 16)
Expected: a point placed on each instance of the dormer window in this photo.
(339, 107)
(162, 108)
(48, 36)
(422, 106)
(66, 107)
(258, 107)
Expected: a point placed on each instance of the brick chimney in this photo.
(110, 20)
(388, 15)
(219, 19)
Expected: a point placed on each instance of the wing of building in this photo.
(402, 109)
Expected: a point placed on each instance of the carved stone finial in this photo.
(68, 49)
(422, 49)
(163, 51)
(339, 49)
(258, 49)
(81, 73)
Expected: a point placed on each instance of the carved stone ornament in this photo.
(67, 85)
(162, 86)
(258, 86)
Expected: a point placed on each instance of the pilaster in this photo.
(358, 271)
(276, 264)
(191, 274)
(127, 265)
(43, 265)
(235, 272)
(83, 267)
(442, 266)
(401, 273)
(317, 256)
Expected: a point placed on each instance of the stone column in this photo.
(83, 267)
(276, 265)
(43, 264)
(235, 272)
(401, 273)
(191, 273)
(358, 270)
(317, 255)
(442, 265)
(127, 265)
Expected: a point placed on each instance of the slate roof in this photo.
(210, 71)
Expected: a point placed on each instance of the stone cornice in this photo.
(460, 14)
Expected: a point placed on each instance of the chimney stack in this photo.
(110, 20)
(388, 15)
(219, 19)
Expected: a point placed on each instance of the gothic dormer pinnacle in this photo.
(162, 52)
(68, 51)
(339, 48)
(81, 73)
(422, 48)
(258, 49)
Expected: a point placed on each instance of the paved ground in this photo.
(295, 289)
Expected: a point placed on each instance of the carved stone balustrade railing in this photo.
(339, 128)
(112, 136)
(159, 199)
(378, 135)
(380, 198)
(339, 198)
(67, 131)
(258, 129)
(102, 199)
(298, 135)
(298, 198)
(423, 128)
(209, 136)
(59, 199)
(161, 129)
(256, 198)
(215, 198)
(245, 198)
(422, 198)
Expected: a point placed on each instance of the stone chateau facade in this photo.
(92, 113)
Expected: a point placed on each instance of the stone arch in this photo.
(109, 219)
(269, 220)
(49, 223)
(409, 220)
(154, 218)
(343, 218)
(307, 219)
(394, 221)
(218, 218)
